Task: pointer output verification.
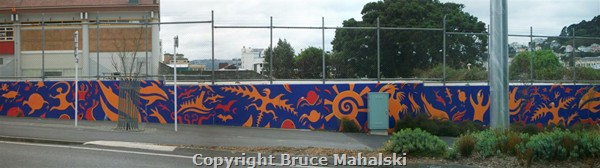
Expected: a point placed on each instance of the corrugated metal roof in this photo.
(67, 3)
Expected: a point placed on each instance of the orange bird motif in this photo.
(589, 101)
(313, 117)
(395, 101)
(225, 107)
(11, 94)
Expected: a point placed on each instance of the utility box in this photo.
(378, 117)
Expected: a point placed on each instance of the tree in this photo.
(310, 62)
(546, 66)
(584, 28)
(127, 46)
(283, 60)
(403, 51)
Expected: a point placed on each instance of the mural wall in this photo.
(297, 106)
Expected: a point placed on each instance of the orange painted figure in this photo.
(543, 110)
(11, 94)
(62, 98)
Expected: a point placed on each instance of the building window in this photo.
(1, 61)
(52, 73)
(6, 34)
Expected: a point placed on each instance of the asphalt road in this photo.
(16, 154)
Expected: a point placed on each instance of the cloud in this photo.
(547, 17)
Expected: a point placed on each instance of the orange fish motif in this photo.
(112, 100)
(589, 101)
(439, 98)
(433, 112)
(152, 94)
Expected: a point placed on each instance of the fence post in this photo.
(378, 52)
(43, 47)
(531, 46)
(323, 40)
(444, 52)
(271, 54)
(573, 59)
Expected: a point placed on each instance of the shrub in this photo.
(416, 142)
(349, 126)
(438, 127)
(527, 129)
(555, 145)
(465, 145)
(486, 143)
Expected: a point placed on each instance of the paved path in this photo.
(207, 135)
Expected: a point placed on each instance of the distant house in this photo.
(252, 59)
(590, 62)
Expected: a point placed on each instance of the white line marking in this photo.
(124, 151)
(136, 145)
(98, 149)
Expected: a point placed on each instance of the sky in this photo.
(547, 17)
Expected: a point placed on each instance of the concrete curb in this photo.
(39, 140)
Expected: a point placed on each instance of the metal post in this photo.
(43, 47)
(444, 52)
(146, 49)
(212, 33)
(98, 49)
(271, 54)
(176, 43)
(573, 59)
(378, 52)
(499, 117)
(76, 76)
(323, 38)
(531, 46)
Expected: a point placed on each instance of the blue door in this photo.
(378, 117)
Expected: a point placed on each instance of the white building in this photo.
(37, 37)
(590, 62)
(252, 59)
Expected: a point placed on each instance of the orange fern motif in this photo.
(252, 93)
(479, 107)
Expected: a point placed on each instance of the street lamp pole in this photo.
(76, 76)
(176, 44)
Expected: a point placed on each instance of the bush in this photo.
(555, 145)
(437, 127)
(348, 126)
(486, 143)
(465, 145)
(527, 129)
(416, 142)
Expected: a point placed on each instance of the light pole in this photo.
(76, 75)
(176, 44)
